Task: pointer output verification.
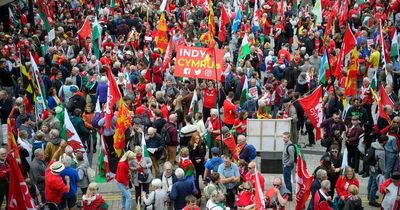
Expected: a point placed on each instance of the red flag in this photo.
(335, 8)
(112, 97)
(147, 75)
(18, 193)
(312, 105)
(384, 101)
(224, 22)
(385, 51)
(12, 144)
(259, 196)
(349, 42)
(351, 78)
(343, 14)
(282, 13)
(303, 184)
(167, 56)
(231, 144)
(86, 30)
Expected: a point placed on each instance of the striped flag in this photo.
(28, 83)
(39, 81)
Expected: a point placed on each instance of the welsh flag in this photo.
(303, 182)
(72, 136)
(96, 36)
(123, 123)
(43, 11)
(104, 174)
(245, 92)
(19, 197)
(244, 49)
(145, 153)
(322, 69)
(194, 108)
(60, 117)
(394, 52)
(317, 11)
(13, 20)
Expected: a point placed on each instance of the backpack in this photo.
(253, 153)
(146, 119)
(91, 174)
(215, 167)
(369, 157)
(295, 151)
(165, 134)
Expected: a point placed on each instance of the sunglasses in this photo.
(248, 189)
(277, 185)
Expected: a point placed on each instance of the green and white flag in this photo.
(245, 92)
(163, 5)
(12, 17)
(395, 48)
(317, 11)
(244, 49)
(194, 107)
(95, 37)
(322, 69)
(145, 153)
(374, 82)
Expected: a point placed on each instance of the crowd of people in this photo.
(177, 150)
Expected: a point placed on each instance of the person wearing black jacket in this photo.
(6, 78)
(156, 143)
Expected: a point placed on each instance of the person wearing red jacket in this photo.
(321, 199)
(122, 178)
(210, 97)
(393, 182)
(92, 200)
(343, 183)
(4, 175)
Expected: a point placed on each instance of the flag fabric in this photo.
(244, 49)
(344, 160)
(104, 174)
(112, 6)
(11, 143)
(39, 81)
(245, 92)
(60, 117)
(162, 37)
(231, 144)
(351, 78)
(19, 197)
(145, 153)
(167, 55)
(95, 38)
(163, 5)
(259, 196)
(344, 13)
(384, 53)
(394, 50)
(349, 42)
(317, 11)
(237, 20)
(28, 83)
(374, 82)
(383, 101)
(123, 123)
(312, 106)
(86, 30)
(13, 20)
(194, 108)
(322, 69)
(112, 97)
(43, 11)
(73, 138)
(211, 27)
(303, 182)
(256, 23)
(222, 25)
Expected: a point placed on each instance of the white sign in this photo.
(52, 35)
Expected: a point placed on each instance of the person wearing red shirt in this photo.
(229, 110)
(122, 178)
(108, 43)
(210, 97)
(157, 73)
(321, 198)
(106, 60)
(54, 184)
(251, 175)
(277, 196)
(240, 123)
(280, 92)
(245, 198)
(343, 183)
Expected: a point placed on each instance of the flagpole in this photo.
(218, 90)
(333, 78)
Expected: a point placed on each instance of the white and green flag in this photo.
(96, 36)
(395, 48)
(317, 11)
(245, 92)
(244, 49)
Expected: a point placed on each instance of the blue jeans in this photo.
(372, 186)
(126, 197)
(391, 161)
(287, 177)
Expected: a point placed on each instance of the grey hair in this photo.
(37, 151)
(326, 185)
(67, 161)
(179, 173)
(321, 173)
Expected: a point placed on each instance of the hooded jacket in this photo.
(379, 167)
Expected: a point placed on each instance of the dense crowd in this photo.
(85, 77)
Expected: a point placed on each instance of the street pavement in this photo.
(311, 154)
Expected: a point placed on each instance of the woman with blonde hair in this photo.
(141, 173)
(122, 178)
(353, 201)
(92, 200)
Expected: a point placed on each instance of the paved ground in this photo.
(312, 156)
